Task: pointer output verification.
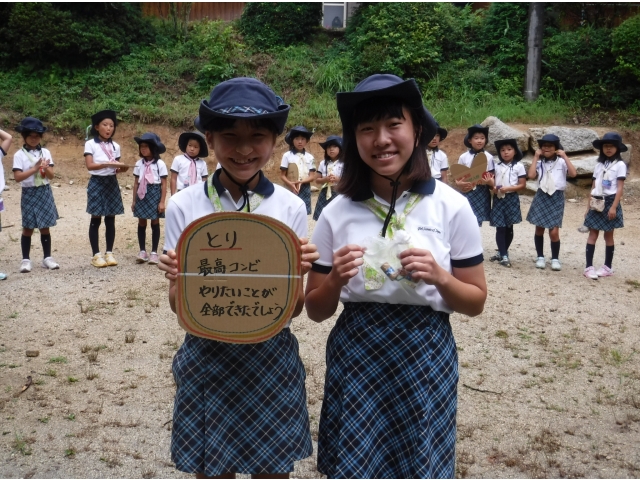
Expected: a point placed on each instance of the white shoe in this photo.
(590, 272)
(604, 271)
(540, 263)
(50, 263)
(555, 265)
(25, 266)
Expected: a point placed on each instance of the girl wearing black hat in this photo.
(101, 156)
(438, 160)
(33, 168)
(329, 172)
(150, 187)
(297, 139)
(189, 168)
(605, 212)
(5, 144)
(390, 400)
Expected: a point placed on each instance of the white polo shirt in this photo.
(181, 166)
(467, 158)
(335, 167)
(2, 184)
(22, 163)
(92, 147)
(307, 165)
(508, 174)
(159, 170)
(608, 171)
(558, 169)
(442, 222)
(438, 162)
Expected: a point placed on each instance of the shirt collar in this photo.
(474, 153)
(435, 149)
(264, 186)
(29, 149)
(97, 140)
(422, 187)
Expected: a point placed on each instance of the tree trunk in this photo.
(534, 51)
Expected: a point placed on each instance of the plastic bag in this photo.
(381, 262)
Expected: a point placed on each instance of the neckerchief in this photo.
(110, 154)
(303, 170)
(599, 186)
(329, 166)
(548, 183)
(251, 205)
(193, 173)
(397, 222)
(146, 177)
(507, 170)
(38, 178)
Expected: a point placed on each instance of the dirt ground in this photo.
(549, 373)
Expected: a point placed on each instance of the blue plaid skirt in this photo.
(239, 408)
(323, 201)
(38, 207)
(546, 211)
(480, 201)
(305, 195)
(506, 211)
(103, 196)
(147, 208)
(600, 220)
(390, 397)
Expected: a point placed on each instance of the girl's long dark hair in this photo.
(340, 156)
(153, 149)
(603, 158)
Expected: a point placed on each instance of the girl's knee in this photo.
(27, 232)
(155, 222)
(539, 231)
(608, 237)
(44, 231)
(142, 222)
(593, 236)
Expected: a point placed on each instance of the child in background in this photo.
(101, 155)
(297, 139)
(189, 168)
(150, 187)
(5, 144)
(33, 168)
(329, 172)
(510, 177)
(438, 160)
(551, 166)
(478, 193)
(608, 184)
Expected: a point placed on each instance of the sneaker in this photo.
(153, 259)
(3, 276)
(50, 263)
(583, 229)
(556, 265)
(142, 257)
(25, 266)
(604, 271)
(98, 261)
(540, 263)
(590, 272)
(111, 260)
(505, 262)
(495, 258)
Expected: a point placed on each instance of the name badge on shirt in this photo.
(607, 183)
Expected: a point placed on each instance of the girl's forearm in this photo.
(465, 298)
(321, 302)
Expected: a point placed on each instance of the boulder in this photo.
(499, 130)
(572, 139)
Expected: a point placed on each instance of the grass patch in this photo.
(72, 379)
(58, 360)
(502, 334)
(51, 373)
(22, 445)
(633, 283)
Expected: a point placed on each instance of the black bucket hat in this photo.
(611, 138)
(297, 132)
(153, 140)
(471, 131)
(184, 138)
(551, 138)
(441, 131)
(242, 98)
(332, 140)
(509, 141)
(96, 118)
(384, 85)
(31, 124)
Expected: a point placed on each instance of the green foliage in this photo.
(626, 47)
(504, 35)
(269, 25)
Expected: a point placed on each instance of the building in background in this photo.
(337, 14)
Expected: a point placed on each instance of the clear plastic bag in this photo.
(381, 262)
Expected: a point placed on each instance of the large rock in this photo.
(572, 139)
(499, 130)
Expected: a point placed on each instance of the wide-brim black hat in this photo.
(551, 138)
(184, 138)
(96, 118)
(471, 131)
(442, 132)
(152, 139)
(332, 140)
(384, 85)
(611, 138)
(31, 124)
(242, 98)
(509, 141)
(298, 131)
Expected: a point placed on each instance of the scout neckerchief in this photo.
(38, 179)
(303, 170)
(473, 154)
(507, 168)
(110, 155)
(329, 164)
(601, 184)
(547, 183)
(193, 173)
(251, 202)
(146, 177)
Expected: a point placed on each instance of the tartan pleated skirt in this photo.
(103, 196)
(546, 211)
(147, 208)
(305, 195)
(506, 211)
(390, 396)
(38, 207)
(480, 201)
(239, 408)
(600, 220)
(323, 201)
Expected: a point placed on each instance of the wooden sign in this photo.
(240, 277)
(470, 174)
(293, 174)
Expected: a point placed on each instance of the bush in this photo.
(625, 46)
(270, 25)
(505, 38)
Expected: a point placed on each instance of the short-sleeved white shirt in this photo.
(442, 222)
(615, 172)
(92, 147)
(181, 166)
(558, 168)
(508, 174)
(439, 162)
(159, 170)
(2, 184)
(22, 163)
(334, 167)
(292, 157)
(466, 159)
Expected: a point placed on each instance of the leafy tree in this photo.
(626, 47)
